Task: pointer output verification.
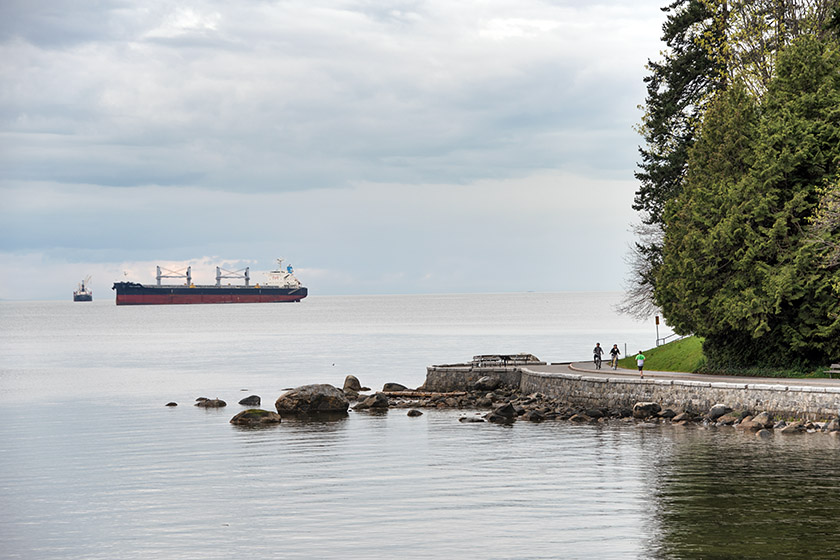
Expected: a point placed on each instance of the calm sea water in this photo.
(94, 466)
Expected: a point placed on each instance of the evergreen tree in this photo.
(677, 90)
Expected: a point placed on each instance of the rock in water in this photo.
(718, 410)
(211, 403)
(645, 409)
(378, 400)
(255, 417)
(311, 399)
(352, 385)
(414, 412)
(253, 400)
(763, 420)
(507, 410)
(394, 388)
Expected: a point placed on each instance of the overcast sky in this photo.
(379, 146)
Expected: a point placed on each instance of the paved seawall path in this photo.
(588, 368)
(581, 384)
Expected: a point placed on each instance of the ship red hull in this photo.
(129, 293)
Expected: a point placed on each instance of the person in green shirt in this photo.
(640, 361)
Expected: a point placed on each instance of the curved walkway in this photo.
(588, 368)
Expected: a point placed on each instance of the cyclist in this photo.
(598, 352)
(614, 353)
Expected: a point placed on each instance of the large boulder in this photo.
(378, 401)
(763, 420)
(204, 402)
(718, 410)
(394, 388)
(645, 409)
(312, 399)
(253, 400)
(352, 385)
(505, 414)
(755, 423)
(255, 417)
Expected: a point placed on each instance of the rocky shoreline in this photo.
(492, 401)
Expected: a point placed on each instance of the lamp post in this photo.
(657, 330)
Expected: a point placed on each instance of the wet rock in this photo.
(210, 403)
(763, 420)
(507, 410)
(499, 419)
(667, 413)
(394, 388)
(764, 433)
(487, 383)
(718, 410)
(253, 400)
(779, 425)
(749, 424)
(311, 399)
(727, 419)
(792, 429)
(832, 425)
(255, 417)
(594, 413)
(414, 412)
(351, 384)
(470, 419)
(379, 400)
(645, 409)
(171, 404)
(682, 417)
(580, 418)
(533, 416)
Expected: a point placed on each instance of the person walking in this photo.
(640, 361)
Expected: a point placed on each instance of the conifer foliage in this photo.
(740, 177)
(740, 266)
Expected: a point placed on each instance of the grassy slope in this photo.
(686, 355)
(680, 355)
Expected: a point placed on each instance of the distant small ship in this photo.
(281, 286)
(82, 293)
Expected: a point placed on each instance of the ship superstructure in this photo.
(282, 285)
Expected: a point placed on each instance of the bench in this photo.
(833, 370)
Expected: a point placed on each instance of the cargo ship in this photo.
(282, 285)
(82, 293)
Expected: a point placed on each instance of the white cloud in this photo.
(404, 138)
(368, 238)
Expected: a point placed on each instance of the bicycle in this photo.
(597, 361)
(614, 361)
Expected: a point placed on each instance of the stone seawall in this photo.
(444, 379)
(782, 399)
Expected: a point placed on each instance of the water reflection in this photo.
(723, 494)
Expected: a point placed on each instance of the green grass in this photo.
(684, 355)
